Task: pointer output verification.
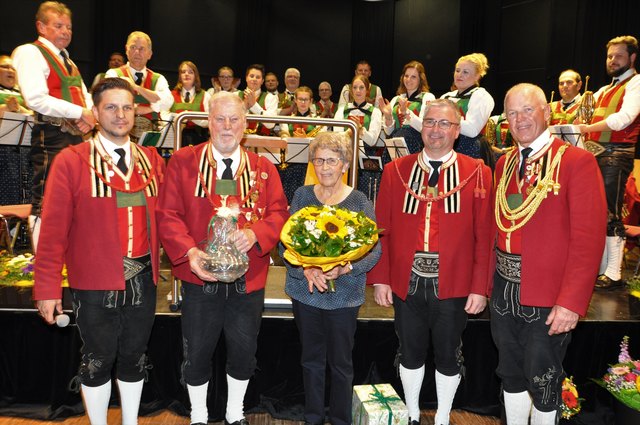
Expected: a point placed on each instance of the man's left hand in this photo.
(245, 239)
(561, 320)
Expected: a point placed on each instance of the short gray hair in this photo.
(333, 141)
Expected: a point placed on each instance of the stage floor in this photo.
(605, 306)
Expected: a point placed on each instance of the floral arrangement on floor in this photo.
(634, 286)
(18, 270)
(622, 379)
(327, 236)
(571, 401)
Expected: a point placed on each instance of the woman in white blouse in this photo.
(475, 103)
(402, 117)
(368, 118)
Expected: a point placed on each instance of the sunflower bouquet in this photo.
(571, 401)
(622, 379)
(327, 236)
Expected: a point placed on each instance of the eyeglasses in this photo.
(302, 99)
(443, 124)
(331, 162)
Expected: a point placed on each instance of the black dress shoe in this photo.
(412, 422)
(606, 283)
(242, 421)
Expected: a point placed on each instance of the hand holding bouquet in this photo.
(327, 236)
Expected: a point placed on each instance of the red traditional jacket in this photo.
(80, 219)
(464, 226)
(562, 244)
(188, 201)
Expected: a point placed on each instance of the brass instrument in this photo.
(142, 125)
(490, 132)
(587, 105)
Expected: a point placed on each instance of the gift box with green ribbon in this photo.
(378, 405)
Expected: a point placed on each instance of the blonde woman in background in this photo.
(474, 102)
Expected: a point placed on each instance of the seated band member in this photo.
(564, 111)
(475, 103)
(369, 121)
(402, 117)
(257, 101)
(189, 96)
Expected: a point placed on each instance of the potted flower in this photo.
(622, 380)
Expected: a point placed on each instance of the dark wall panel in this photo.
(427, 31)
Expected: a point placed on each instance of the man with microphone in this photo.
(99, 220)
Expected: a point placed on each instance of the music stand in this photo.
(15, 129)
(567, 132)
(163, 138)
(397, 147)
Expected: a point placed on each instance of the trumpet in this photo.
(587, 105)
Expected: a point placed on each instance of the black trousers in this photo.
(327, 337)
(205, 315)
(423, 316)
(115, 327)
(46, 142)
(615, 167)
(529, 359)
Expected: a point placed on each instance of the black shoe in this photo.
(242, 421)
(606, 283)
(412, 422)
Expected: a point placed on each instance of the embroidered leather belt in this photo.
(508, 266)
(66, 125)
(135, 266)
(426, 264)
(598, 148)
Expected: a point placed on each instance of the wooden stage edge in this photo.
(606, 306)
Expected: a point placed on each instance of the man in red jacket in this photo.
(99, 220)
(435, 209)
(551, 216)
(200, 180)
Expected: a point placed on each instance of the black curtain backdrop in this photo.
(524, 40)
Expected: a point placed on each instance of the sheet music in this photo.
(397, 147)
(567, 132)
(164, 138)
(297, 151)
(11, 129)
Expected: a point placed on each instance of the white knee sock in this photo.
(615, 251)
(604, 260)
(446, 387)
(198, 399)
(130, 393)
(517, 407)
(96, 402)
(34, 225)
(236, 390)
(411, 384)
(543, 418)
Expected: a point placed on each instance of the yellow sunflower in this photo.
(332, 225)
